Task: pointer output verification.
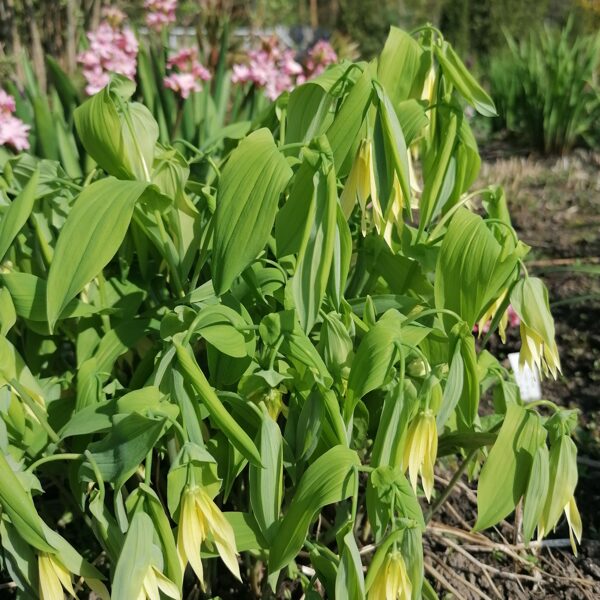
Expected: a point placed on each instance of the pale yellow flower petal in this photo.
(166, 586)
(430, 456)
(575, 525)
(50, 586)
(150, 586)
(223, 536)
(191, 534)
(63, 574)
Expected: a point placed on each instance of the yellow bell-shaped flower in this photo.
(53, 576)
(420, 450)
(529, 298)
(575, 525)
(391, 581)
(360, 184)
(201, 519)
(154, 583)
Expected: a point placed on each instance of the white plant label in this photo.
(527, 379)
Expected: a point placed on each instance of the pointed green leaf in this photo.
(249, 189)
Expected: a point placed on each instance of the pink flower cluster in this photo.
(161, 13)
(13, 132)
(272, 68)
(187, 73)
(319, 57)
(113, 49)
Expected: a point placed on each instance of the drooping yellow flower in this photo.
(529, 298)
(428, 86)
(420, 450)
(53, 576)
(201, 519)
(538, 352)
(391, 581)
(360, 184)
(154, 583)
(575, 525)
(489, 315)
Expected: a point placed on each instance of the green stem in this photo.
(444, 495)
(291, 146)
(102, 290)
(52, 458)
(432, 311)
(148, 469)
(47, 251)
(168, 254)
(547, 403)
(96, 470)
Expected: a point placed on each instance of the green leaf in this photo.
(436, 171)
(95, 227)
(537, 491)
(343, 132)
(454, 387)
(298, 209)
(246, 531)
(18, 506)
(398, 64)
(468, 286)
(19, 559)
(331, 478)
(120, 136)
(350, 582)
(308, 109)
(16, 215)
(316, 250)
(249, 189)
(130, 439)
(266, 483)
(218, 413)
(135, 559)
(563, 480)
(222, 327)
(455, 70)
(505, 474)
(8, 315)
(28, 293)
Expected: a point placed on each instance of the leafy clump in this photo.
(205, 352)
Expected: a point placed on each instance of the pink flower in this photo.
(513, 318)
(112, 50)
(183, 59)
(288, 64)
(7, 103)
(186, 72)
(97, 79)
(272, 68)
(182, 83)
(320, 56)
(13, 132)
(160, 13)
(241, 74)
